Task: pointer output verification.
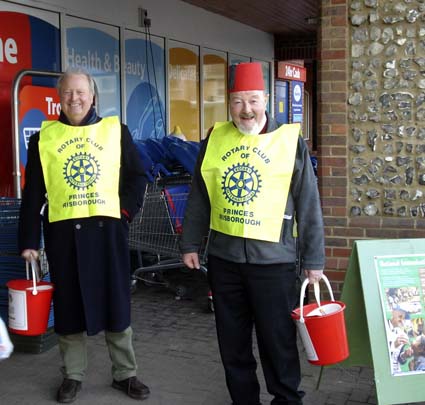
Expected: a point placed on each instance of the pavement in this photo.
(176, 347)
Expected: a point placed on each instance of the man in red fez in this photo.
(254, 188)
(247, 98)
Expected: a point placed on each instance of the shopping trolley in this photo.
(156, 230)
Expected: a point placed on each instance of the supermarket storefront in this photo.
(151, 73)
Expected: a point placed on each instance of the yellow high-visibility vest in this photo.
(248, 179)
(81, 168)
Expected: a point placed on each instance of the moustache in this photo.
(248, 116)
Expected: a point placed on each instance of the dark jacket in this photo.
(303, 203)
(89, 257)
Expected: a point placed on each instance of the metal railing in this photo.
(15, 123)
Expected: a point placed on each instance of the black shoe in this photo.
(132, 387)
(67, 392)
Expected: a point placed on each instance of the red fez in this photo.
(246, 77)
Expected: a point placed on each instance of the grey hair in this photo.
(76, 71)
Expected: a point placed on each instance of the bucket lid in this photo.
(326, 309)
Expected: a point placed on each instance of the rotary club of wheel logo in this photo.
(241, 184)
(81, 170)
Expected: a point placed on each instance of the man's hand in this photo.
(313, 275)
(29, 254)
(191, 260)
(401, 340)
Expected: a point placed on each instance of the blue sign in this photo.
(297, 91)
(30, 124)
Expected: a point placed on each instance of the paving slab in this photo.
(177, 351)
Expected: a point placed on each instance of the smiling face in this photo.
(248, 110)
(76, 97)
(398, 318)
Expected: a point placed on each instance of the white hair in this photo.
(76, 71)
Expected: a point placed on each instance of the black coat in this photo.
(88, 258)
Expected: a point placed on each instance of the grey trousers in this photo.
(73, 350)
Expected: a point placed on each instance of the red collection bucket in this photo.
(322, 328)
(29, 305)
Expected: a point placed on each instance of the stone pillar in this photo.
(372, 118)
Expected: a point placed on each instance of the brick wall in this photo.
(334, 130)
(332, 137)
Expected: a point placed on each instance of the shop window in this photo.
(266, 77)
(235, 59)
(145, 85)
(214, 88)
(183, 76)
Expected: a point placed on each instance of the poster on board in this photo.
(376, 282)
(401, 281)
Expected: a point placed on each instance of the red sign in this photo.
(15, 55)
(15, 45)
(36, 104)
(291, 72)
(45, 99)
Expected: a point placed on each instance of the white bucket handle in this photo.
(316, 293)
(34, 271)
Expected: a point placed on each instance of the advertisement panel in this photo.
(297, 91)
(100, 56)
(145, 85)
(36, 45)
(384, 293)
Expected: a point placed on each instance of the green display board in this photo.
(375, 267)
